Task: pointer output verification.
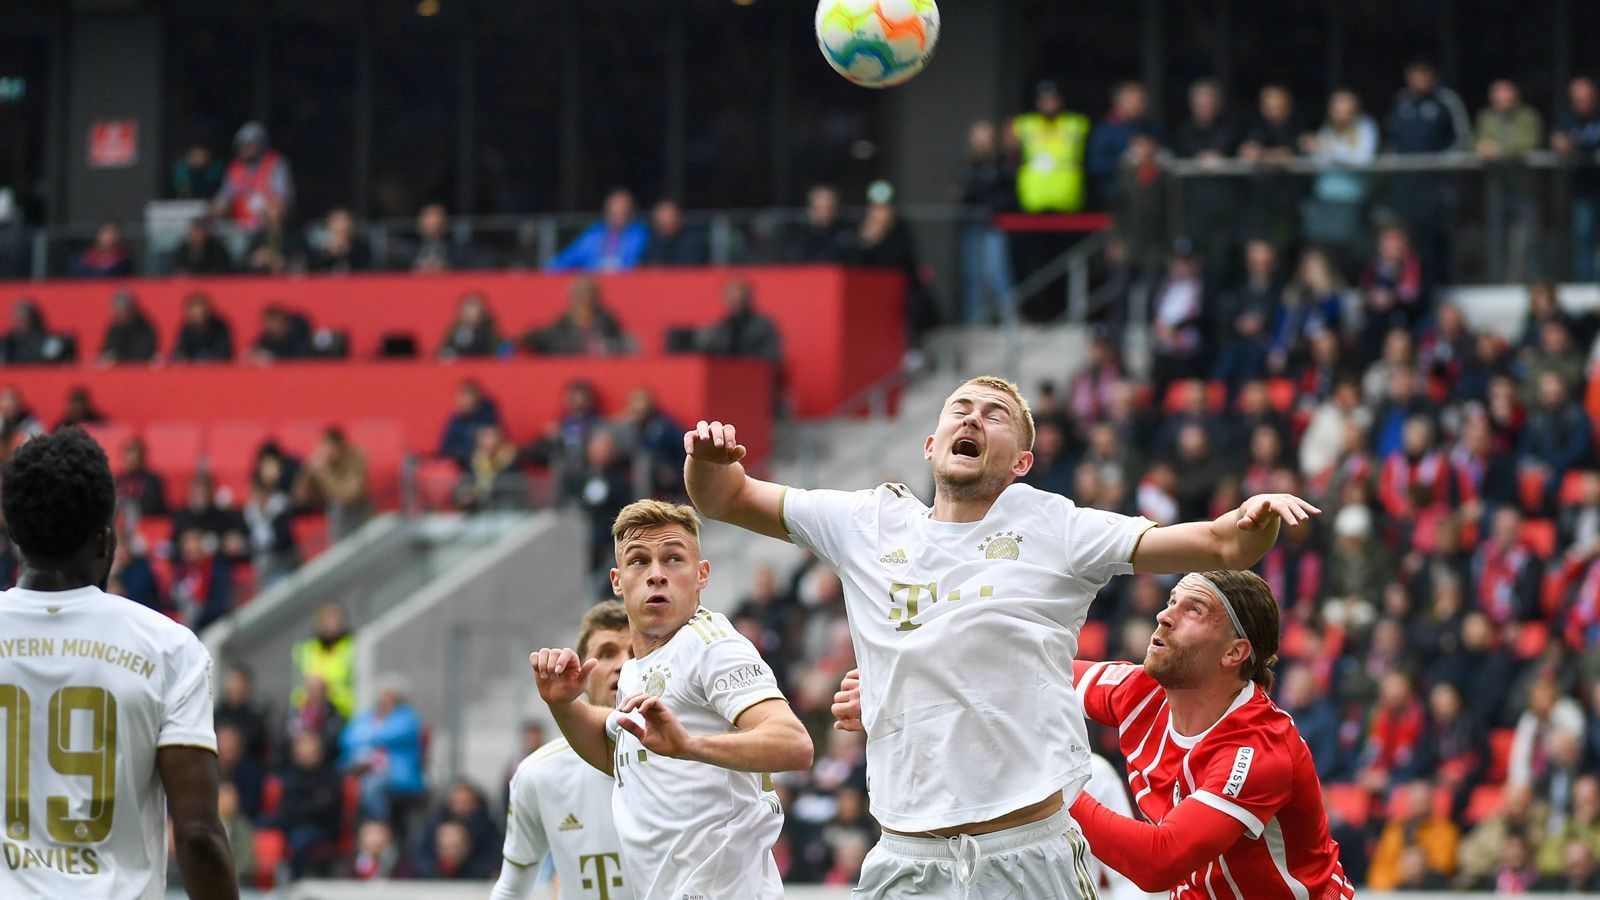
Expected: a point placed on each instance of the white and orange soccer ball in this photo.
(877, 43)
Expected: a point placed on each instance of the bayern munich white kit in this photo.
(965, 634)
(561, 805)
(690, 830)
(91, 684)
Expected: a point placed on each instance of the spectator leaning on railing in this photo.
(616, 243)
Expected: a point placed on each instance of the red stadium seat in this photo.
(172, 450)
(310, 534)
(271, 795)
(1571, 489)
(383, 442)
(1216, 396)
(1485, 802)
(231, 450)
(111, 436)
(1092, 641)
(1530, 490)
(156, 531)
(1499, 754)
(1532, 638)
(1352, 802)
(1280, 392)
(1553, 591)
(1540, 534)
(436, 482)
(271, 851)
(300, 438)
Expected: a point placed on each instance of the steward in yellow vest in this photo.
(1052, 141)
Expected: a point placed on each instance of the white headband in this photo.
(1227, 605)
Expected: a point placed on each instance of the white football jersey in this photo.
(90, 685)
(561, 805)
(965, 634)
(690, 830)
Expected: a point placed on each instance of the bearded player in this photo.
(700, 724)
(965, 619)
(1221, 771)
(105, 705)
(560, 804)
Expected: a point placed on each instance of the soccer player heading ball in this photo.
(965, 617)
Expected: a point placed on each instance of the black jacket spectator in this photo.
(465, 804)
(822, 238)
(340, 250)
(29, 342)
(137, 486)
(474, 410)
(205, 336)
(80, 410)
(671, 242)
(200, 253)
(436, 249)
(1558, 434)
(284, 335)
(743, 331)
(130, 337)
(238, 708)
(473, 333)
(1429, 121)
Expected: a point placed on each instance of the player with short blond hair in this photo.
(561, 805)
(700, 725)
(965, 618)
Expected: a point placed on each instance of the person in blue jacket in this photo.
(616, 243)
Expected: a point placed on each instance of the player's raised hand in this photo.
(561, 678)
(713, 442)
(847, 703)
(662, 733)
(1261, 510)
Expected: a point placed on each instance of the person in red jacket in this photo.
(1221, 771)
(258, 180)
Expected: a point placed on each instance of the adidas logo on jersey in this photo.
(898, 557)
(571, 823)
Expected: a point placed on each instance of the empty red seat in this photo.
(1530, 489)
(383, 442)
(1352, 802)
(272, 849)
(436, 483)
(1499, 754)
(300, 438)
(231, 450)
(1092, 641)
(271, 795)
(310, 534)
(1280, 393)
(111, 436)
(1532, 638)
(1486, 801)
(172, 450)
(1571, 489)
(1540, 534)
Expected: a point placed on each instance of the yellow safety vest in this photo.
(334, 665)
(1051, 178)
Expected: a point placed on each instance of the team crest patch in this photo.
(1004, 545)
(655, 680)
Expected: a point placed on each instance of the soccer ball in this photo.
(877, 43)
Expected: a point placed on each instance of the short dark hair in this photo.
(607, 615)
(57, 493)
(1257, 610)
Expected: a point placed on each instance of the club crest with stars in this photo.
(655, 680)
(1002, 545)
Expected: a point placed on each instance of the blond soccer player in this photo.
(965, 617)
(561, 805)
(700, 726)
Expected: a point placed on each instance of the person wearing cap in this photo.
(256, 180)
(1053, 141)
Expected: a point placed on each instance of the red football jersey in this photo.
(1251, 765)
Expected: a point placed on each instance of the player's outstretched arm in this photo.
(1235, 540)
(560, 677)
(713, 473)
(1157, 857)
(190, 777)
(767, 737)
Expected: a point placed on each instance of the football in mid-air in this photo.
(877, 43)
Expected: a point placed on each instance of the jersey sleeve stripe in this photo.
(762, 697)
(520, 865)
(783, 513)
(183, 744)
(1228, 807)
(1134, 553)
(1093, 673)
